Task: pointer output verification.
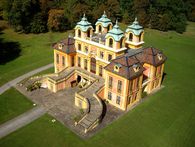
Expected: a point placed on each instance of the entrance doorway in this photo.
(93, 65)
(78, 79)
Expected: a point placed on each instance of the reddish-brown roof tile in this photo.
(67, 45)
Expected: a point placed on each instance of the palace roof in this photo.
(136, 58)
(135, 28)
(104, 20)
(67, 45)
(116, 33)
(84, 25)
(126, 68)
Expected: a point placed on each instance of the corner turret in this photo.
(134, 35)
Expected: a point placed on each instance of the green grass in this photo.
(36, 51)
(165, 119)
(47, 71)
(13, 103)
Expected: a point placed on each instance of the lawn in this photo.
(33, 51)
(165, 119)
(12, 104)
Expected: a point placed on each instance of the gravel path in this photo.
(21, 120)
(27, 117)
(18, 79)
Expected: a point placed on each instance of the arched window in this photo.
(121, 43)
(109, 27)
(110, 42)
(88, 33)
(140, 37)
(79, 33)
(100, 29)
(130, 37)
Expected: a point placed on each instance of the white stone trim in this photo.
(101, 45)
(134, 43)
(82, 52)
(97, 58)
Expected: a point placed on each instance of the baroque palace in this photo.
(108, 64)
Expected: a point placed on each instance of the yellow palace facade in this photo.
(116, 58)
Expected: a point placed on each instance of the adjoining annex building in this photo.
(108, 64)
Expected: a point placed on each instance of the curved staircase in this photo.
(95, 108)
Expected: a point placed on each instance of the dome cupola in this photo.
(83, 28)
(134, 34)
(104, 24)
(117, 35)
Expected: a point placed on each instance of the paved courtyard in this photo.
(61, 106)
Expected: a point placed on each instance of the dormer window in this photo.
(130, 37)
(60, 45)
(111, 42)
(159, 55)
(117, 67)
(136, 68)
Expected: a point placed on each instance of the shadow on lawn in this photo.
(8, 50)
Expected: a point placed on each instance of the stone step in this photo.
(83, 124)
(87, 122)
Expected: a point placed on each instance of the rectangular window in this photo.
(109, 95)
(100, 70)
(118, 100)
(101, 54)
(110, 82)
(57, 58)
(86, 49)
(79, 62)
(138, 83)
(109, 57)
(79, 47)
(85, 64)
(130, 86)
(158, 70)
(72, 60)
(119, 87)
(63, 60)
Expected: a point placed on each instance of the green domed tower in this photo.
(134, 35)
(83, 28)
(103, 25)
(115, 37)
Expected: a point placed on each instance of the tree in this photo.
(57, 21)
(38, 25)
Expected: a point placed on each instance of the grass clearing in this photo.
(36, 51)
(165, 119)
(12, 104)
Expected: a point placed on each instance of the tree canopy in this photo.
(38, 16)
